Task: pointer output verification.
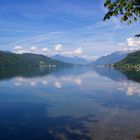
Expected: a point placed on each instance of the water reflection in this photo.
(11, 72)
(132, 75)
(78, 103)
(55, 81)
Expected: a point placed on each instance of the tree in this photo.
(127, 10)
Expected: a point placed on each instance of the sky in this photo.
(67, 27)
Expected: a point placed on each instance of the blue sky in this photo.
(68, 27)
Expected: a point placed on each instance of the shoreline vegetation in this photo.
(128, 67)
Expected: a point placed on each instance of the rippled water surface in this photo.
(70, 104)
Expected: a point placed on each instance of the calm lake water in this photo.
(70, 104)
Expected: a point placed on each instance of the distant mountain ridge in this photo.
(27, 60)
(73, 60)
(110, 59)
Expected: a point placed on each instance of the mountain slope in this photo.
(73, 60)
(27, 59)
(110, 59)
(132, 58)
(131, 62)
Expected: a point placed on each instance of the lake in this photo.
(80, 103)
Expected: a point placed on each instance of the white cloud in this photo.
(133, 42)
(20, 51)
(33, 48)
(78, 51)
(23, 49)
(45, 49)
(18, 47)
(58, 47)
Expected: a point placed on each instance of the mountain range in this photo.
(74, 60)
(110, 59)
(28, 59)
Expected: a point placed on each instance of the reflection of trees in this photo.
(10, 72)
(132, 75)
(118, 75)
(110, 73)
(123, 78)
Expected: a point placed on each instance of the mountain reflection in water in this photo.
(79, 103)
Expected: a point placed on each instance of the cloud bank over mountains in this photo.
(130, 44)
(56, 49)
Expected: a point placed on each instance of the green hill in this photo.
(132, 61)
(28, 60)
